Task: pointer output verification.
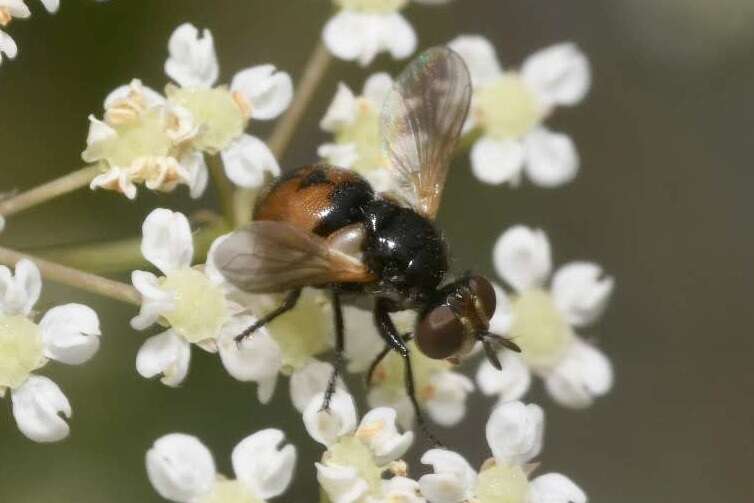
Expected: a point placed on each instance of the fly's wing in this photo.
(421, 122)
(268, 257)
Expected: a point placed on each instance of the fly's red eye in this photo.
(440, 333)
(484, 293)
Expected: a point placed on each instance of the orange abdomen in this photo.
(318, 198)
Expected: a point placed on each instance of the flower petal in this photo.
(192, 61)
(551, 158)
(497, 161)
(269, 92)
(580, 292)
(325, 426)
(166, 240)
(377, 87)
(167, 354)
(154, 300)
(515, 432)
(180, 467)
(480, 57)
(342, 155)
(20, 291)
(70, 333)
(402, 490)
(447, 407)
(341, 483)
(151, 97)
(381, 396)
(256, 358)
(502, 320)
(522, 257)
(560, 74)
(509, 384)
(453, 479)
(198, 174)
(52, 6)
(260, 463)
(247, 160)
(7, 46)
(398, 36)
(37, 407)
(378, 430)
(583, 374)
(555, 488)
(309, 381)
(342, 110)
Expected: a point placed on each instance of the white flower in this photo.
(356, 457)
(543, 322)
(182, 469)
(193, 302)
(354, 123)
(68, 334)
(221, 113)
(363, 28)
(510, 107)
(143, 139)
(10, 9)
(514, 433)
(440, 390)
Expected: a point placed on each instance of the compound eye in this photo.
(440, 333)
(484, 294)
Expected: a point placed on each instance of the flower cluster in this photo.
(68, 334)
(542, 323)
(509, 107)
(161, 141)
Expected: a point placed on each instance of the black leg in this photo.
(288, 303)
(387, 330)
(340, 347)
(381, 356)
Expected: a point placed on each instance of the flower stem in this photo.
(75, 278)
(50, 190)
(125, 254)
(225, 189)
(315, 70)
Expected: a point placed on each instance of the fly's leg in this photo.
(378, 359)
(340, 346)
(393, 339)
(288, 303)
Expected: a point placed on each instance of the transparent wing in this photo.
(267, 257)
(421, 122)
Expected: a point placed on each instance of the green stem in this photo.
(125, 255)
(52, 189)
(225, 188)
(314, 71)
(75, 278)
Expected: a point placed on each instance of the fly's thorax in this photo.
(404, 249)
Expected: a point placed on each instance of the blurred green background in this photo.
(663, 202)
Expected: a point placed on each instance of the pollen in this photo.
(502, 484)
(507, 108)
(539, 328)
(21, 350)
(200, 307)
(5, 16)
(218, 112)
(230, 491)
(377, 6)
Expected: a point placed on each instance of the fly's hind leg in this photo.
(340, 347)
(387, 330)
(288, 303)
